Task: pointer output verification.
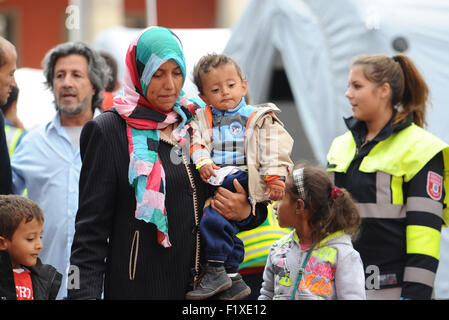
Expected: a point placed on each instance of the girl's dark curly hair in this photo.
(326, 215)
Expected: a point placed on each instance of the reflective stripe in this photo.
(419, 275)
(423, 240)
(383, 191)
(382, 210)
(260, 250)
(256, 256)
(269, 232)
(425, 205)
(258, 241)
(397, 196)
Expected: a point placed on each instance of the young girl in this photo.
(316, 260)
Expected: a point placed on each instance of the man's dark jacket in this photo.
(5, 164)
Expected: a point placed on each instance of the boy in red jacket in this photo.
(22, 275)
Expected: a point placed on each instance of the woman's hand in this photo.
(232, 205)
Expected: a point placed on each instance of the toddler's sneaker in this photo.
(214, 281)
(238, 291)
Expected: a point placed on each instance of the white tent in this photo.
(314, 41)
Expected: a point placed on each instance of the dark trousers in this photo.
(219, 235)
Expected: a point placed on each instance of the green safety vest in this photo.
(402, 155)
(258, 241)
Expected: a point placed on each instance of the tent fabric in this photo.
(316, 40)
(315, 44)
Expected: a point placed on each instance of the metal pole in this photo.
(151, 10)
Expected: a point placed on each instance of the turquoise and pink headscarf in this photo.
(147, 52)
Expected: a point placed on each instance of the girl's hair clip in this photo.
(335, 192)
(298, 178)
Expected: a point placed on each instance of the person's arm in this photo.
(200, 142)
(97, 194)
(350, 278)
(277, 145)
(267, 289)
(424, 207)
(235, 206)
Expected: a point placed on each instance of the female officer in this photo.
(397, 172)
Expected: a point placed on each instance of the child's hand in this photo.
(276, 192)
(207, 170)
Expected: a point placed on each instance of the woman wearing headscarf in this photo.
(140, 197)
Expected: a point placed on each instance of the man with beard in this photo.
(47, 162)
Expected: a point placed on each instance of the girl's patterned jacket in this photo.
(334, 270)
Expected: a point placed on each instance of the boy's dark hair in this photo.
(326, 215)
(13, 210)
(212, 60)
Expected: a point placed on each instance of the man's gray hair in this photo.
(99, 72)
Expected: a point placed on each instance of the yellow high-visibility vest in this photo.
(12, 137)
(403, 154)
(258, 241)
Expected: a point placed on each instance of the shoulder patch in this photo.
(434, 185)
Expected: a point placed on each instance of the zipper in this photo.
(361, 146)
